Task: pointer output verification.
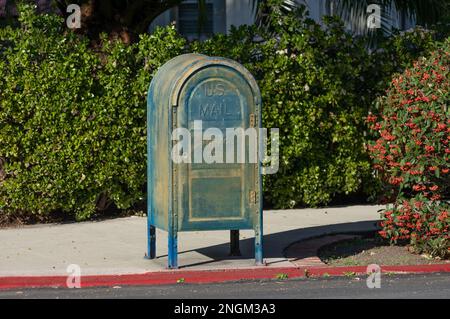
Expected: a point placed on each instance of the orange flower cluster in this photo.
(411, 152)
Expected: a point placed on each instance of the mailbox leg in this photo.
(151, 253)
(173, 251)
(259, 258)
(234, 243)
(259, 246)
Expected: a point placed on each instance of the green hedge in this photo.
(72, 116)
(72, 119)
(312, 82)
(318, 84)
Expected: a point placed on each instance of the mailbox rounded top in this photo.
(172, 76)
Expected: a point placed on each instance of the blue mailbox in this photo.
(203, 96)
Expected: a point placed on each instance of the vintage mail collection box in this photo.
(193, 186)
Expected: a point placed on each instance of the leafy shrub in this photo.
(317, 83)
(412, 153)
(313, 82)
(399, 51)
(72, 121)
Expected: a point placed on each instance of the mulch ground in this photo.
(19, 220)
(371, 250)
(22, 219)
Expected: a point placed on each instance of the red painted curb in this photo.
(406, 269)
(151, 278)
(207, 276)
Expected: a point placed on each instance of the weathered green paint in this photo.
(185, 197)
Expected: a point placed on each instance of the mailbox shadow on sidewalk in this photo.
(275, 244)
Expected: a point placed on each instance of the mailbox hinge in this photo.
(252, 120)
(252, 198)
(174, 117)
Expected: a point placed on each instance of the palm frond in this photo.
(424, 11)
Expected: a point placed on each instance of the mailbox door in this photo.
(213, 196)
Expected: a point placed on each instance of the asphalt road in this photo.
(392, 286)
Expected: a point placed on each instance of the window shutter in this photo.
(188, 20)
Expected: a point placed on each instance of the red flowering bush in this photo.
(411, 154)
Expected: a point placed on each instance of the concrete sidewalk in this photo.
(117, 246)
